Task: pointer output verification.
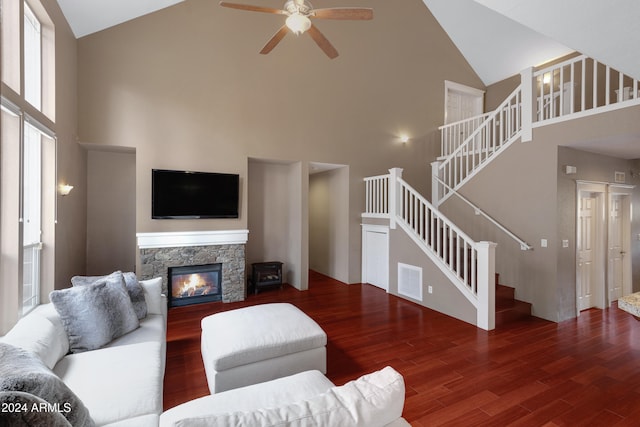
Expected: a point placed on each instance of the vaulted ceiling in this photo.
(499, 38)
(89, 16)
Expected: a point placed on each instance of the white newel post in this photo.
(527, 106)
(394, 195)
(436, 186)
(486, 285)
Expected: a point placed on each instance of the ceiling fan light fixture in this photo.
(298, 23)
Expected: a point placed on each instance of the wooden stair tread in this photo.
(509, 309)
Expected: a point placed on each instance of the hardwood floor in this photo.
(529, 373)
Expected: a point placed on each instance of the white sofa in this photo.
(304, 399)
(121, 383)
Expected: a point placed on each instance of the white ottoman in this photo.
(260, 343)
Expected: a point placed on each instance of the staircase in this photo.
(467, 264)
(460, 161)
(571, 89)
(577, 87)
(509, 309)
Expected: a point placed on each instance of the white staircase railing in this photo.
(501, 128)
(469, 265)
(377, 196)
(454, 134)
(523, 245)
(580, 85)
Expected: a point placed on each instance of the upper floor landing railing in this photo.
(574, 87)
(580, 85)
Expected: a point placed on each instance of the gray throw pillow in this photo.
(24, 380)
(94, 315)
(135, 290)
(136, 293)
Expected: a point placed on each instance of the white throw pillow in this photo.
(40, 335)
(153, 294)
(373, 400)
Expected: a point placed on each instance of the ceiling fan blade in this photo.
(252, 8)
(273, 42)
(348, 13)
(322, 41)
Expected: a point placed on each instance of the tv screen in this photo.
(193, 195)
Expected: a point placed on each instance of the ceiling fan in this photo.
(299, 14)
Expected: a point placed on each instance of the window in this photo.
(10, 243)
(32, 58)
(27, 184)
(10, 43)
(31, 216)
(27, 156)
(27, 59)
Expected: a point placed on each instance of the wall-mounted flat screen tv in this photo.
(193, 195)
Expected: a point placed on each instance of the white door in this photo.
(375, 256)
(462, 102)
(619, 277)
(587, 217)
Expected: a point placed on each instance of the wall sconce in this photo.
(404, 138)
(65, 189)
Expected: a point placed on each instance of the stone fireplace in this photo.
(161, 251)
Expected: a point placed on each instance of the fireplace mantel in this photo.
(191, 238)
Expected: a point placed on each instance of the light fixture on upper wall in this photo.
(404, 138)
(65, 189)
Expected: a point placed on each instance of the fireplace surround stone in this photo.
(159, 251)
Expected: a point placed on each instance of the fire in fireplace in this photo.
(194, 284)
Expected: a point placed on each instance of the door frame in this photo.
(450, 86)
(626, 191)
(599, 258)
(381, 229)
(606, 191)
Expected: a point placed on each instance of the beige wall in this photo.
(498, 92)
(445, 298)
(111, 204)
(187, 89)
(329, 223)
(274, 217)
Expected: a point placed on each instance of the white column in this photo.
(486, 285)
(436, 186)
(527, 108)
(394, 195)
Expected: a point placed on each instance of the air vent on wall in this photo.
(410, 281)
(619, 177)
